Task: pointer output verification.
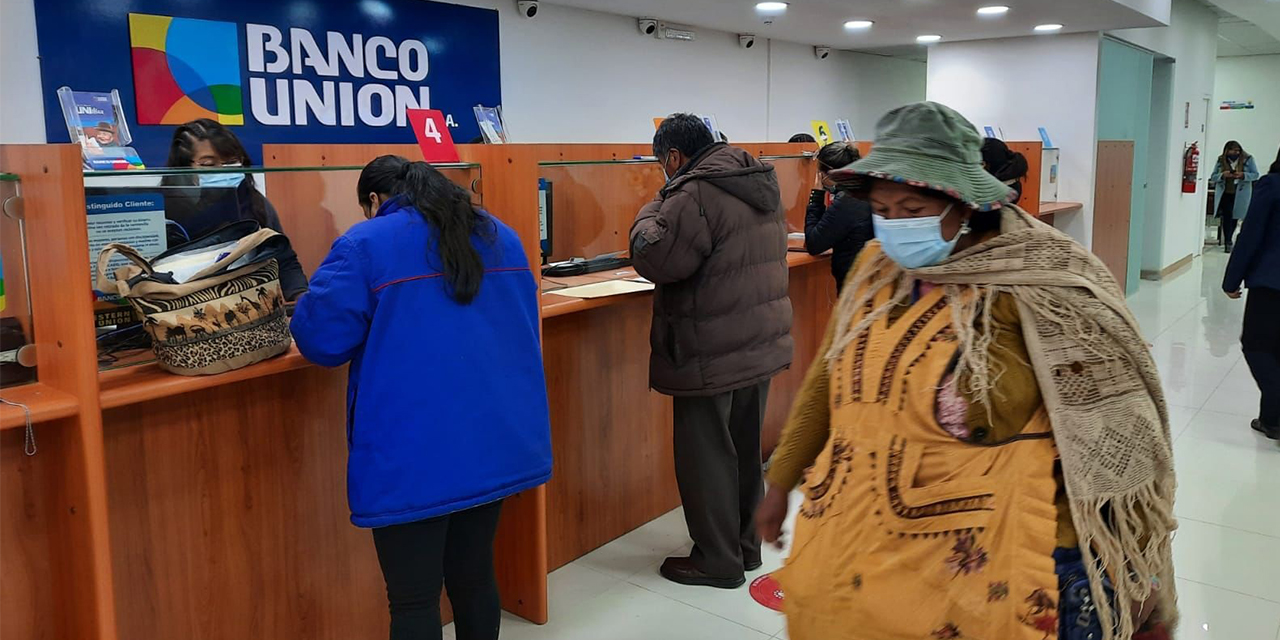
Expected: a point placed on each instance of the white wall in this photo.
(1020, 84)
(21, 111)
(1191, 39)
(582, 76)
(866, 87)
(1244, 78)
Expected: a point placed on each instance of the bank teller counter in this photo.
(211, 507)
(611, 435)
(157, 505)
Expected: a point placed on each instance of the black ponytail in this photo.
(446, 207)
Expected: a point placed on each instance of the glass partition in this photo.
(156, 210)
(796, 176)
(592, 204)
(17, 350)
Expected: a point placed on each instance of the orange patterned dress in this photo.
(906, 532)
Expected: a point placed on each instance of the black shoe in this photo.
(1228, 249)
(752, 565)
(682, 571)
(1266, 430)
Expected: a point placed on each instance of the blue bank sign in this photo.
(304, 71)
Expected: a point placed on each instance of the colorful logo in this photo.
(184, 69)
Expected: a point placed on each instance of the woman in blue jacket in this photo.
(1233, 177)
(432, 303)
(1256, 264)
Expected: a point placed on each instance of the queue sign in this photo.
(433, 135)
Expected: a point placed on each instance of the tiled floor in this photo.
(1227, 549)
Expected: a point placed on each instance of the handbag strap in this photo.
(243, 246)
(105, 282)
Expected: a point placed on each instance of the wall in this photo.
(1254, 78)
(582, 76)
(865, 87)
(1191, 39)
(1020, 84)
(21, 110)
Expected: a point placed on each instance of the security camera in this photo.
(821, 53)
(647, 26)
(746, 40)
(528, 8)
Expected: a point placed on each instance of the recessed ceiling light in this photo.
(928, 38)
(858, 24)
(993, 10)
(771, 8)
(1045, 28)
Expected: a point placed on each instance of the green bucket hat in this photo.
(929, 145)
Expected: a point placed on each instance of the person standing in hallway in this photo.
(714, 242)
(1255, 264)
(986, 439)
(842, 225)
(432, 303)
(1233, 176)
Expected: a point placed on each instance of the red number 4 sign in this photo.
(433, 135)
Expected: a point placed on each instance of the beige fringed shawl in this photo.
(1099, 384)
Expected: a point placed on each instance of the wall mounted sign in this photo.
(305, 71)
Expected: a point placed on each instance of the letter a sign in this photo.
(433, 135)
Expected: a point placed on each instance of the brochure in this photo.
(492, 128)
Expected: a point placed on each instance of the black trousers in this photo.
(455, 551)
(1261, 345)
(1226, 219)
(718, 468)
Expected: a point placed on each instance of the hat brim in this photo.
(968, 183)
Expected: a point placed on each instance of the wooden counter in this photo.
(205, 508)
(611, 436)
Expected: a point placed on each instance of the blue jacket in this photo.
(1255, 260)
(446, 403)
(1244, 187)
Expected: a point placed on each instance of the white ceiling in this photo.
(1255, 30)
(898, 22)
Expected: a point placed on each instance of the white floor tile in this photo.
(628, 612)
(1229, 559)
(732, 604)
(639, 549)
(1209, 613)
(1237, 394)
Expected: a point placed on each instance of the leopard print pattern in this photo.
(268, 336)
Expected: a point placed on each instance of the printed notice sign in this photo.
(135, 219)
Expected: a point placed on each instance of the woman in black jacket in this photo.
(1008, 166)
(844, 223)
(207, 144)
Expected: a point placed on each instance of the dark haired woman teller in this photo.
(207, 144)
(432, 303)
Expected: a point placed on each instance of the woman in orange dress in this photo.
(987, 442)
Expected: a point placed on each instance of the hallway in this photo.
(1228, 506)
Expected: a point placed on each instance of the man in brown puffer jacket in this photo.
(714, 242)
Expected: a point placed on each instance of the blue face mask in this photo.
(914, 243)
(221, 179)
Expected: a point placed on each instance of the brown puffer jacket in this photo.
(714, 242)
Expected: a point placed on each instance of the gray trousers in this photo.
(718, 469)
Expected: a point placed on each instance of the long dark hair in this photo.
(445, 206)
(182, 155)
(1002, 162)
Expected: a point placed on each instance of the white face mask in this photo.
(222, 179)
(914, 243)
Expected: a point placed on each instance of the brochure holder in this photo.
(96, 122)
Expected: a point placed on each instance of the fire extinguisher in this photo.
(1190, 168)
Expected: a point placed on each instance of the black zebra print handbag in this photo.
(210, 305)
